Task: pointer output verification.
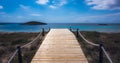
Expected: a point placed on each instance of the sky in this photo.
(60, 11)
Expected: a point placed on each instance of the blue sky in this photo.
(60, 11)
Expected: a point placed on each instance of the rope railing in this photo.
(13, 55)
(23, 47)
(39, 36)
(17, 50)
(98, 45)
(87, 40)
(108, 57)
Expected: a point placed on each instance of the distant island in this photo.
(2, 23)
(103, 24)
(34, 23)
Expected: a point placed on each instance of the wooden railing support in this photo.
(70, 29)
(49, 29)
(43, 32)
(100, 53)
(19, 55)
(77, 33)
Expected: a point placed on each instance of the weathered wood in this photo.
(59, 46)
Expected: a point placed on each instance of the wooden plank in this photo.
(59, 46)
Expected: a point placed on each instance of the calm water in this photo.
(37, 28)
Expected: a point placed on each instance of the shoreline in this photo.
(53, 28)
(17, 32)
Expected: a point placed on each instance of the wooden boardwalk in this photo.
(59, 46)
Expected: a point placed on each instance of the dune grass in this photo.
(110, 41)
(9, 42)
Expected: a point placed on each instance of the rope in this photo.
(108, 57)
(39, 36)
(87, 40)
(12, 56)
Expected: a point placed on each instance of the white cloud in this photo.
(104, 4)
(105, 17)
(6, 16)
(35, 14)
(52, 6)
(63, 2)
(2, 13)
(1, 7)
(20, 17)
(42, 2)
(56, 3)
(24, 7)
(53, 3)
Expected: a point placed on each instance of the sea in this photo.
(16, 27)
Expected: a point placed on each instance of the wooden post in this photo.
(100, 53)
(77, 33)
(19, 55)
(49, 29)
(70, 29)
(43, 32)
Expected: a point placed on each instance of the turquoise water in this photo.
(37, 28)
